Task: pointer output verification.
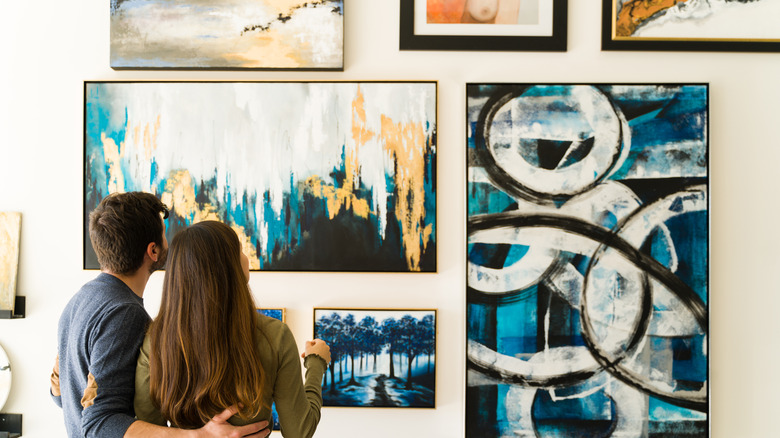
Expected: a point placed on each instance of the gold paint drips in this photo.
(179, 196)
(403, 140)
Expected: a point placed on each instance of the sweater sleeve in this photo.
(114, 345)
(298, 404)
(144, 408)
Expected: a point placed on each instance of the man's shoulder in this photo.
(107, 290)
(102, 297)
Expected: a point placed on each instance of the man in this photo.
(102, 328)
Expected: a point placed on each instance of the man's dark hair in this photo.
(122, 226)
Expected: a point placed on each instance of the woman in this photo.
(209, 349)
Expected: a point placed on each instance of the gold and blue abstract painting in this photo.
(227, 34)
(312, 176)
(587, 254)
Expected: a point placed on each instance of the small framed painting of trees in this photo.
(380, 357)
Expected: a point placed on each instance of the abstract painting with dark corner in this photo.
(588, 242)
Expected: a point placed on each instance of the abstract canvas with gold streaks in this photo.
(228, 34)
(313, 176)
(10, 229)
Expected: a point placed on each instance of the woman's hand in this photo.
(318, 347)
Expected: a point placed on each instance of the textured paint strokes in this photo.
(344, 197)
(179, 195)
(445, 11)
(402, 143)
(636, 12)
(10, 228)
(337, 198)
(112, 154)
(400, 140)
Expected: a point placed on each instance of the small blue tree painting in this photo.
(279, 314)
(380, 358)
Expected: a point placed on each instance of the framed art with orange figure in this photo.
(489, 25)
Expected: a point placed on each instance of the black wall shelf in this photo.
(10, 425)
(19, 312)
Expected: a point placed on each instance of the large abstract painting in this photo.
(718, 25)
(322, 176)
(10, 233)
(228, 34)
(380, 358)
(587, 280)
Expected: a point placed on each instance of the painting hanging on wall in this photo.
(227, 34)
(503, 25)
(312, 176)
(281, 315)
(588, 241)
(379, 358)
(10, 233)
(706, 25)
(276, 313)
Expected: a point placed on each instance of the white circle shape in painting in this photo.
(5, 377)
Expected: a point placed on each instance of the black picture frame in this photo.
(557, 42)
(609, 41)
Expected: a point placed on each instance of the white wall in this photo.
(48, 47)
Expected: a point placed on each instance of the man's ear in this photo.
(152, 251)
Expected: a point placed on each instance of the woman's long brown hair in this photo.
(203, 355)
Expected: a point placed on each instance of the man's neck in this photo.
(135, 281)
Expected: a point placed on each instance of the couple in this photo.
(208, 357)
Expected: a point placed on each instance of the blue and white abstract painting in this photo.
(587, 279)
(379, 358)
(313, 176)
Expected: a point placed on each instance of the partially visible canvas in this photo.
(10, 233)
(281, 315)
(707, 25)
(588, 260)
(227, 34)
(275, 313)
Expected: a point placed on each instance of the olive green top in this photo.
(298, 404)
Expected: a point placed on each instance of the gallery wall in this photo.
(48, 48)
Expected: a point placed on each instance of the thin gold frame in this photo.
(435, 343)
(610, 41)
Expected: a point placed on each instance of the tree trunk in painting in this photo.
(352, 380)
(392, 368)
(409, 372)
(332, 377)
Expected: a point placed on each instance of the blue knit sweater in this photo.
(100, 334)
